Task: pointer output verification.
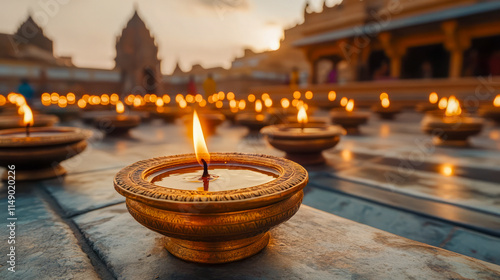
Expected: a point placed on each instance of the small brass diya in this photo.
(117, 124)
(385, 110)
(432, 105)
(167, 114)
(64, 114)
(210, 120)
(303, 142)
(348, 119)
(38, 156)
(452, 129)
(40, 120)
(492, 112)
(219, 213)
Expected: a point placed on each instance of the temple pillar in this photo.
(456, 45)
(394, 52)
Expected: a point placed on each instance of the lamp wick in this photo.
(205, 169)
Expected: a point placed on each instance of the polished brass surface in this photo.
(450, 131)
(350, 121)
(213, 227)
(117, 124)
(16, 121)
(250, 121)
(388, 113)
(209, 121)
(38, 157)
(490, 112)
(303, 148)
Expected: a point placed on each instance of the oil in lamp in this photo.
(453, 128)
(432, 105)
(253, 121)
(38, 151)
(385, 110)
(492, 112)
(212, 208)
(348, 119)
(303, 142)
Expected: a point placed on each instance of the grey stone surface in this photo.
(474, 244)
(46, 247)
(388, 219)
(83, 192)
(311, 245)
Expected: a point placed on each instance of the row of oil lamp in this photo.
(212, 207)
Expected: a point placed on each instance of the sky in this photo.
(207, 32)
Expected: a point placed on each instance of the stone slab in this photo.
(83, 192)
(46, 247)
(311, 245)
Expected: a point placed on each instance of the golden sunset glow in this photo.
(200, 147)
(433, 98)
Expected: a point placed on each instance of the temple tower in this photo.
(137, 58)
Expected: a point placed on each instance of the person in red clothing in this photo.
(191, 85)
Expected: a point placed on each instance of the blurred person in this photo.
(209, 86)
(191, 86)
(26, 90)
(382, 73)
(426, 70)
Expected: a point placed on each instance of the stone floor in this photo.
(390, 178)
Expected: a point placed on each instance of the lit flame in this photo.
(384, 95)
(258, 106)
(350, 105)
(28, 115)
(433, 98)
(200, 147)
(332, 95)
(385, 102)
(285, 103)
(443, 102)
(343, 101)
(453, 107)
(120, 108)
(302, 115)
(447, 170)
(496, 102)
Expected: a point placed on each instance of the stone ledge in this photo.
(311, 245)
